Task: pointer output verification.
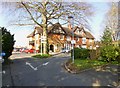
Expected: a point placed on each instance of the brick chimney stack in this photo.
(70, 22)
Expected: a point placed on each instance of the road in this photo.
(54, 74)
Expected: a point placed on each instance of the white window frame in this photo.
(84, 40)
(68, 38)
(37, 36)
(90, 40)
(84, 46)
(30, 39)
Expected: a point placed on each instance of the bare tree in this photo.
(112, 20)
(43, 13)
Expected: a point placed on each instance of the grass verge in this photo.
(42, 56)
(80, 65)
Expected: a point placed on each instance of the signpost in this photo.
(43, 40)
(1, 55)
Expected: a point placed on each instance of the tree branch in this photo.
(30, 14)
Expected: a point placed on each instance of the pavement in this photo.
(51, 72)
(7, 76)
(0, 75)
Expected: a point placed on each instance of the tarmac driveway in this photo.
(50, 72)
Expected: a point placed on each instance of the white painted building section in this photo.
(84, 46)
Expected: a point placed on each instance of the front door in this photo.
(52, 48)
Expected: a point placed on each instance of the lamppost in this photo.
(71, 22)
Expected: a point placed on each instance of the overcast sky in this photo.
(100, 9)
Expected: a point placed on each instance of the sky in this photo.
(97, 23)
(20, 33)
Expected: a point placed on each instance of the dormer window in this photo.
(78, 39)
(62, 37)
(78, 31)
(81, 32)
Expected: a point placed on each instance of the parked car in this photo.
(16, 49)
(65, 50)
(22, 49)
(29, 51)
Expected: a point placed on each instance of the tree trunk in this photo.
(45, 33)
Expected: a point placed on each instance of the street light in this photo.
(71, 22)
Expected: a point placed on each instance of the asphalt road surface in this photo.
(50, 72)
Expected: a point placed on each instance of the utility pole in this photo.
(71, 21)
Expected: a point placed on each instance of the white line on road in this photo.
(36, 68)
(27, 63)
(45, 63)
(3, 72)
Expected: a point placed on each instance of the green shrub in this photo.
(80, 53)
(118, 50)
(109, 53)
(95, 54)
(8, 41)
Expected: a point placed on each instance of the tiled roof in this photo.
(69, 32)
(89, 35)
(56, 25)
(39, 29)
(65, 29)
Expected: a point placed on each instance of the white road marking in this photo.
(45, 63)
(27, 63)
(3, 72)
(36, 68)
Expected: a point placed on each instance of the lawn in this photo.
(86, 64)
(42, 56)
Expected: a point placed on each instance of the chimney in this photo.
(70, 22)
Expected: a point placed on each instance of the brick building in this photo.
(60, 37)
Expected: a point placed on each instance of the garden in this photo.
(85, 60)
(106, 54)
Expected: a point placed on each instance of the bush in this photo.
(95, 54)
(109, 53)
(7, 43)
(118, 50)
(80, 53)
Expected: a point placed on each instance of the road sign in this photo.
(73, 42)
(43, 39)
(2, 54)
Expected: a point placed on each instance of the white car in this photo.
(64, 50)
